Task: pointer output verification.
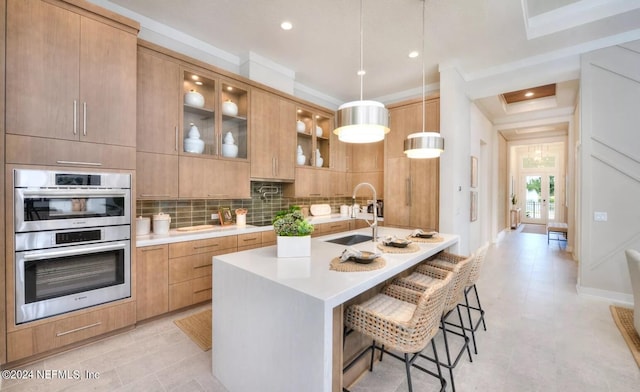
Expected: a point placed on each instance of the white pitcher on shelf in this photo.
(301, 159)
(319, 160)
(229, 149)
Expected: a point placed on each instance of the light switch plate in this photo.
(599, 216)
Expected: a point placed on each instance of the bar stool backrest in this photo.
(426, 318)
(461, 267)
(477, 265)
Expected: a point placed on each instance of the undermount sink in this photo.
(351, 239)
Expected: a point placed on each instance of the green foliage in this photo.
(291, 223)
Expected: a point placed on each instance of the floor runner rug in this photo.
(198, 328)
(624, 320)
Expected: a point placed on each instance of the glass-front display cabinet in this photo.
(214, 116)
(313, 138)
(235, 105)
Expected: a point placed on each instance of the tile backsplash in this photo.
(266, 200)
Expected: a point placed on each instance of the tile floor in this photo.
(540, 337)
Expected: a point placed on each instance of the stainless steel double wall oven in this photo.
(72, 241)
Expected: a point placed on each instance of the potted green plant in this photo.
(293, 233)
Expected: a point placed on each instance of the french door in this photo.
(540, 198)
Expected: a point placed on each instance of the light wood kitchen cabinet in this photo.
(44, 337)
(190, 269)
(330, 228)
(199, 177)
(314, 136)
(310, 182)
(158, 110)
(249, 241)
(67, 73)
(340, 184)
(272, 143)
(411, 185)
(152, 281)
(157, 176)
(367, 165)
(367, 157)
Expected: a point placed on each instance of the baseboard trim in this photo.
(611, 296)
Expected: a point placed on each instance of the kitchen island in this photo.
(273, 318)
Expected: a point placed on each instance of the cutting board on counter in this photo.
(320, 209)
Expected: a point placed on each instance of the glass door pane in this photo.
(533, 199)
(552, 198)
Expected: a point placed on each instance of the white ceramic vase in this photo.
(194, 98)
(229, 108)
(318, 131)
(193, 143)
(300, 126)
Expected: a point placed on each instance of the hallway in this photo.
(541, 336)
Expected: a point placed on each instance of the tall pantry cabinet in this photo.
(411, 185)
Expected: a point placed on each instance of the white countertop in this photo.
(221, 231)
(312, 276)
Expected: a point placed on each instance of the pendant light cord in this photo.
(424, 2)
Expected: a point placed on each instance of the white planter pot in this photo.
(293, 246)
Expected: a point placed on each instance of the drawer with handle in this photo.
(203, 246)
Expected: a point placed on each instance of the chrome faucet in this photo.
(354, 212)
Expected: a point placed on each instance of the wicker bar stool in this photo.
(474, 274)
(424, 276)
(402, 320)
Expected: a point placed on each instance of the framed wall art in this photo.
(474, 172)
(474, 206)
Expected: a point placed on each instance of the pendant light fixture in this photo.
(362, 121)
(421, 145)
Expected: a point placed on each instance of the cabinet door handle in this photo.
(151, 195)
(277, 166)
(176, 127)
(217, 194)
(250, 239)
(205, 246)
(78, 329)
(202, 266)
(75, 117)
(201, 291)
(79, 163)
(84, 118)
(151, 249)
(407, 197)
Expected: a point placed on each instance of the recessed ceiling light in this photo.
(199, 83)
(414, 54)
(195, 77)
(286, 25)
(229, 88)
(299, 110)
(528, 94)
(362, 72)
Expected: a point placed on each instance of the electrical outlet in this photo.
(214, 216)
(600, 216)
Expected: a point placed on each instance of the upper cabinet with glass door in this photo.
(199, 134)
(214, 116)
(235, 110)
(313, 138)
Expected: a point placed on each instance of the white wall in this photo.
(455, 168)
(467, 133)
(610, 172)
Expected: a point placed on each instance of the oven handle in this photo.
(73, 252)
(76, 194)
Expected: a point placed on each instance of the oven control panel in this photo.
(71, 237)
